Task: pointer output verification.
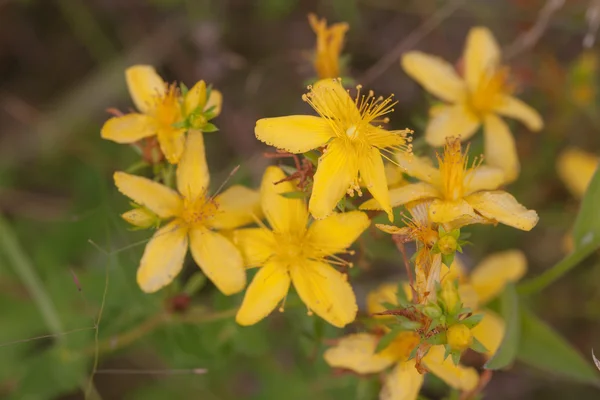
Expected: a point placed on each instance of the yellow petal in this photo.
(481, 56)
(393, 230)
(129, 128)
(418, 167)
(483, 178)
(283, 214)
(158, 198)
(495, 271)
(215, 100)
(357, 353)
(489, 331)
(219, 259)
(192, 172)
(384, 293)
(504, 208)
(145, 86)
(444, 211)
(450, 121)
(172, 143)
(141, 217)
(328, 97)
(337, 170)
(255, 244)
(337, 232)
(435, 74)
(403, 195)
(237, 206)
(403, 383)
(295, 133)
(372, 173)
(576, 169)
(514, 108)
(394, 175)
(195, 98)
(457, 377)
(500, 148)
(325, 291)
(468, 296)
(269, 286)
(163, 257)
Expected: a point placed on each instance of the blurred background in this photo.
(66, 257)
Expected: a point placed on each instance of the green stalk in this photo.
(540, 282)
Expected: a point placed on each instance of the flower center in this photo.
(487, 93)
(167, 109)
(348, 118)
(290, 248)
(199, 211)
(453, 167)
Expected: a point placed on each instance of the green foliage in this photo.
(506, 353)
(541, 347)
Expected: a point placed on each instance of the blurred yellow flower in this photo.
(195, 218)
(330, 41)
(486, 281)
(353, 144)
(477, 98)
(292, 252)
(357, 352)
(160, 112)
(461, 195)
(576, 168)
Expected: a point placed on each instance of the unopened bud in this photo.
(447, 244)
(141, 217)
(459, 337)
(449, 295)
(432, 311)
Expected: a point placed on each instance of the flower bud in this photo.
(141, 217)
(432, 311)
(447, 244)
(449, 295)
(459, 337)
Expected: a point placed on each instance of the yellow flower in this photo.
(357, 353)
(486, 281)
(576, 168)
(195, 219)
(160, 110)
(478, 98)
(354, 145)
(291, 252)
(460, 195)
(330, 41)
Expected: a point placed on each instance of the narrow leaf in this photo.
(506, 353)
(544, 348)
(587, 224)
(293, 195)
(388, 338)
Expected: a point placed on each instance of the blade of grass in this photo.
(23, 267)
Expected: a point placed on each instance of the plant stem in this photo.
(540, 282)
(191, 317)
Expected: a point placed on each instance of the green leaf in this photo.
(587, 224)
(184, 89)
(586, 236)
(544, 348)
(456, 357)
(439, 338)
(506, 353)
(297, 194)
(388, 338)
(312, 156)
(478, 346)
(208, 127)
(448, 259)
(180, 124)
(287, 169)
(473, 320)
